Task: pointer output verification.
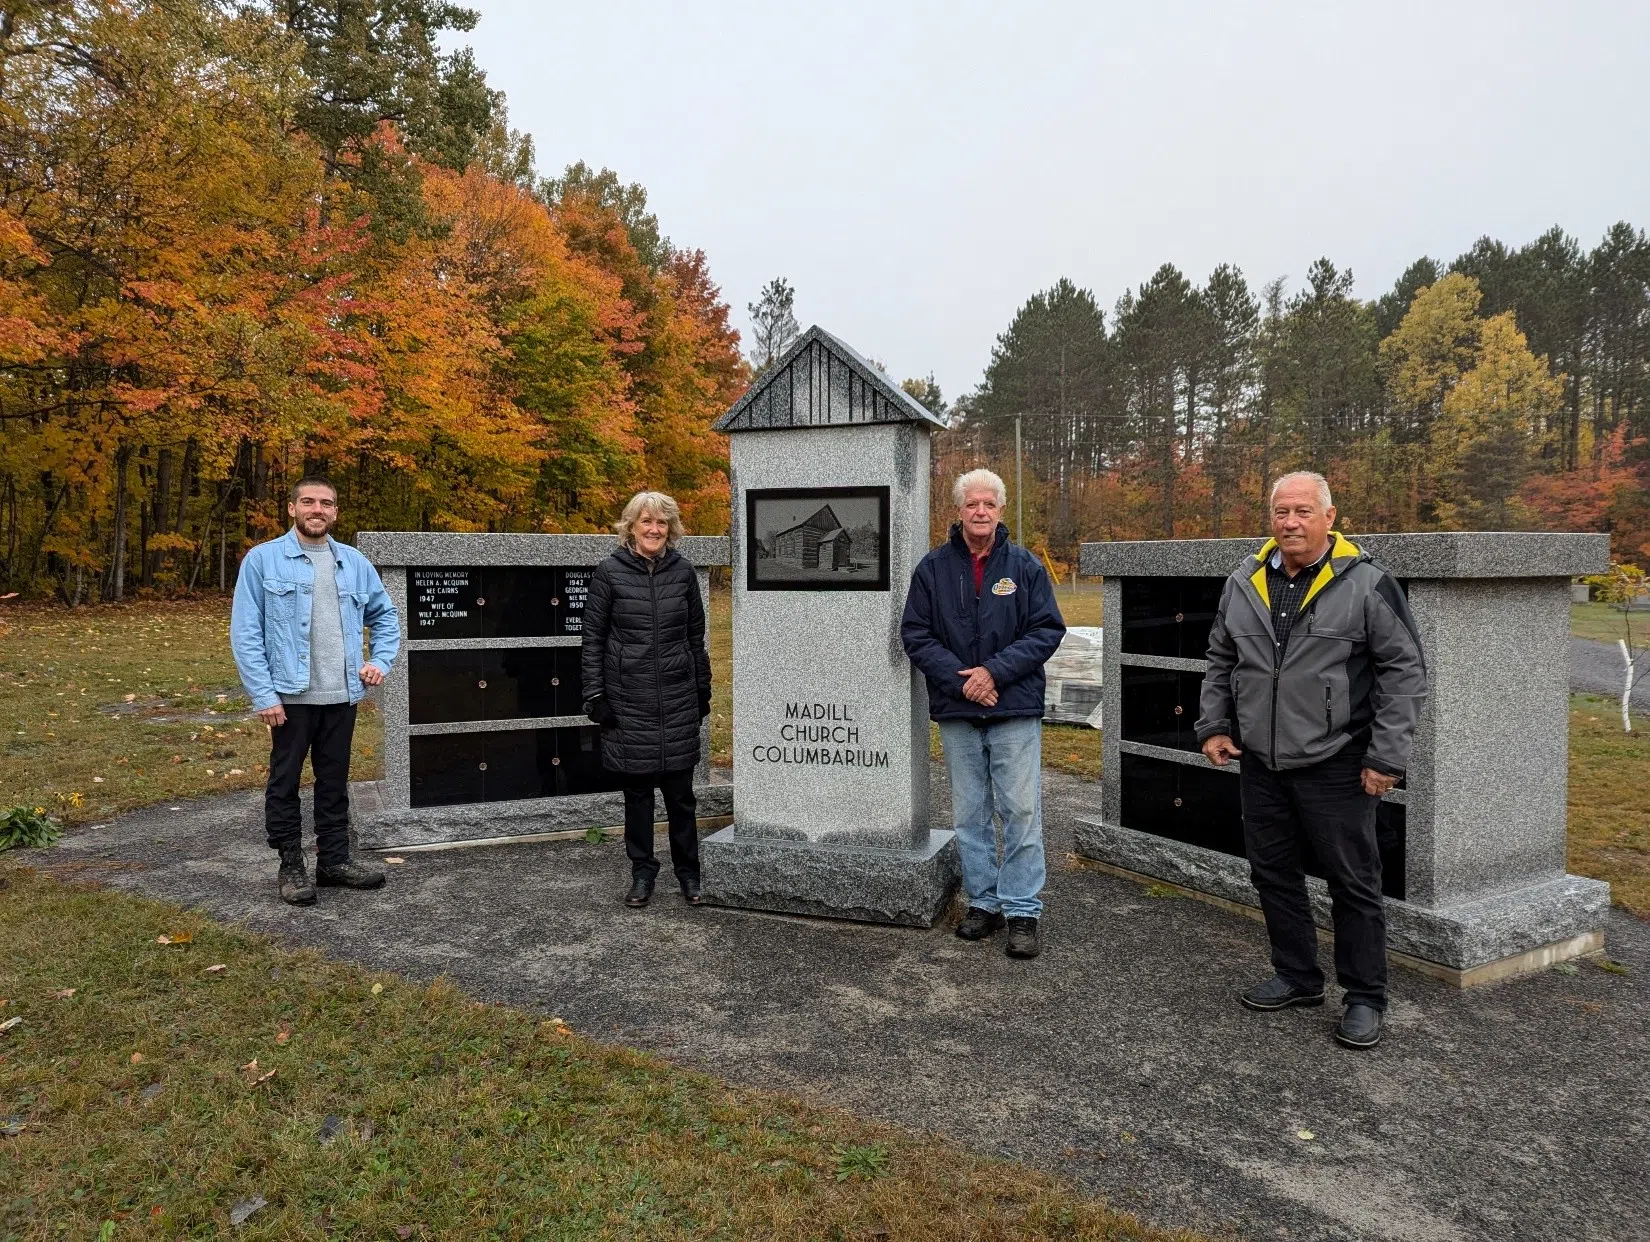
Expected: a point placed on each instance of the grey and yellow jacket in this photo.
(1352, 671)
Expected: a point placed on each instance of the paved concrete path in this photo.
(1120, 1058)
(1597, 668)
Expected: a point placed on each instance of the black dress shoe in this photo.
(1024, 938)
(690, 892)
(350, 874)
(977, 924)
(1278, 993)
(1360, 1027)
(641, 888)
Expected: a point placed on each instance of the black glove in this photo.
(601, 711)
(704, 706)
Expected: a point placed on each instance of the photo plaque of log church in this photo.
(816, 539)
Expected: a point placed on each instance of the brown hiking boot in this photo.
(350, 874)
(296, 890)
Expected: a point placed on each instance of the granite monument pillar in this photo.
(830, 467)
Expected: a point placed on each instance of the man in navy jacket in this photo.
(980, 622)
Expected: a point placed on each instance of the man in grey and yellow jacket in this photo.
(1316, 678)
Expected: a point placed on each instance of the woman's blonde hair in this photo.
(649, 502)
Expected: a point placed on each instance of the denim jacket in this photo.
(269, 627)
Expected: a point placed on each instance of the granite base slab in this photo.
(909, 887)
(381, 828)
(1515, 924)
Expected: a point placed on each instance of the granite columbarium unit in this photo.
(1473, 841)
(485, 734)
(830, 720)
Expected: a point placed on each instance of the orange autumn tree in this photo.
(200, 298)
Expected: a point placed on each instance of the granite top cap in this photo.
(465, 548)
(822, 381)
(1427, 554)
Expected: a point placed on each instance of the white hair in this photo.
(978, 480)
(1310, 476)
(656, 503)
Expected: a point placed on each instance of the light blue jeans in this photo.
(997, 768)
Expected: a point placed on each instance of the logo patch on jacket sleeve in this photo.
(1003, 586)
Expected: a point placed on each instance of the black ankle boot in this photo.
(296, 888)
(641, 889)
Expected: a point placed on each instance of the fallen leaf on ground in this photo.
(180, 937)
(137, 1058)
(245, 1208)
(130, 698)
(235, 772)
(282, 1036)
(1615, 968)
(330, 1127)
(377, 988)
(403, 1232)
(1305, 1134)
(63, 994)
(215, 968)
(395, 862)
(163, 940)
(151, 1091)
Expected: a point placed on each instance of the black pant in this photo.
(324, 734)
(1322, 809)
(681, 809)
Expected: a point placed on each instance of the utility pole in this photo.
(1019, 494)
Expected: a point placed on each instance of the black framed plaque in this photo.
(816, 539)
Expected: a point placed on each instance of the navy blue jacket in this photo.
(1012, 627)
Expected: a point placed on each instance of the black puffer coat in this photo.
(644, 653)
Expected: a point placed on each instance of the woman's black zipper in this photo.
(658, 669)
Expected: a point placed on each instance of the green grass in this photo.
(382, 1108)
(107, 708)
(1606, 623)
(1609, 836)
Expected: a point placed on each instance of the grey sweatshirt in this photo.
(327, 679)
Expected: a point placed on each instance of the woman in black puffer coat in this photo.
(647, 684)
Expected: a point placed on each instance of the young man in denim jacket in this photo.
(301, 604)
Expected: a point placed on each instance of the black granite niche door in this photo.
(1194, 804)
(1169, 616)
(579, 767)
(1160, 706)
(520, 602)
(573, 588)
(448, 769)
(444, 687)
(442, 602)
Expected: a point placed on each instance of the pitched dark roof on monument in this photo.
(821, 381)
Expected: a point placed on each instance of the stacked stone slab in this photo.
(1485, 892)
(830, 720)
(384, 813)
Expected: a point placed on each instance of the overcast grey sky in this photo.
(917, 170)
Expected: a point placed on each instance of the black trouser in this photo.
(1322, 809)
(323, 733)
(681, 810)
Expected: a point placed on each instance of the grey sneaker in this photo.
(350, 874)
(296, 890)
